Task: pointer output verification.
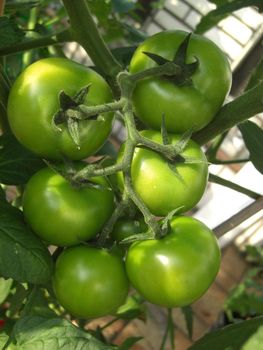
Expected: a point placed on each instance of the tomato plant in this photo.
(64, 215)
(164, 188)
(177, 269)
(190, 105)
(33, 101)
(90, 282)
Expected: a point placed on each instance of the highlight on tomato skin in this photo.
(177, 269)
(190, 105)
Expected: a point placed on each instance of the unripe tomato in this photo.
(63, 215)
(90, 282)
(177, 269)
(193, 105)
(163, 188)
(33, 101)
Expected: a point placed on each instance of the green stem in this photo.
(109, 323)
(118, 212)
(214, 147)
(89, 111)
(239, 217)
(168, 329)
(220, 181)
(85, 32)
(234, 112)
(52, 39)
(230, 161)
(31, 26)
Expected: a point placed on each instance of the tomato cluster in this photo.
(172, 270)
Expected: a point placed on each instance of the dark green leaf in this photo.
(253, 138)
(17, 5)
(9, 32)
(5, 286)
(123, 6)
(230, 337)
(188, 316)
(17, 164)
(23, 256)
(224, 9)
(2, 195)
(17, 300)
(134, 35)
(256, 76)
(40, 333)
(37, 304)
(124, 54)
(129, 342)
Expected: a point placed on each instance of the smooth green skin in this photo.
(162, 189)
(63, 215)
(125, 228)
(177, 269)
(33, 101)
(183, 107)
(90, 282)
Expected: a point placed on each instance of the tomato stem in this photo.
(84, 30)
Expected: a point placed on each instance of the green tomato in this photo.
(177, 269)
(33, 101)
(184, 107)
(162, 188)
(125, 228)
(90, 282)
(64, 215)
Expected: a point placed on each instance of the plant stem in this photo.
(118, 212)
(214, 147)
(52, 39)
(220, 181)
(234, 112)
(240, 217)
(85, 32)
(230, 161)
(89, 111)
(2, 7)
(4, 91)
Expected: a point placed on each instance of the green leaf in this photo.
(10, 34)
(17, 300)
(224, 9)
(129, 342)
(255, 341)
(40, 333)
(256, 76)
(5, 286)
(17, 164)
(3, 339)
(37, 304)
(253, 138)
(18, 5)
(229, 338)
(188, 316)
(123, 6)
(23, 256)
